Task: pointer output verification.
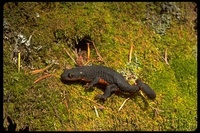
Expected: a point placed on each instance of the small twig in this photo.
(45, 76)
(96, 112)
(41, 70)
(123, 104)
(70, 55)
(157, 109)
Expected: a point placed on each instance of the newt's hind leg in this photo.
(109, 89)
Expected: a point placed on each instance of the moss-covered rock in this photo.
(164, 56)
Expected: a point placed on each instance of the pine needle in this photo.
(45, 76)
(41, 70)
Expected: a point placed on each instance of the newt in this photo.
(114, 81)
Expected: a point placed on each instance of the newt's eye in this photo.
(70, 75)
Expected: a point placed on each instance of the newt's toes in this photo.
(101, 96)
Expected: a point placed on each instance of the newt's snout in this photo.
(70, 75)
(66, 76)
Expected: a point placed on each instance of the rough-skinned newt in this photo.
(113, 80)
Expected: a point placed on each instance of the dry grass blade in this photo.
(165, 57)
(19, 60)
(100, 57)
(130, 53)
(122, 104)
(96, 112)
(70, 55)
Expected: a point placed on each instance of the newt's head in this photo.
(73, 74)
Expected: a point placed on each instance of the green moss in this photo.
(114, 27)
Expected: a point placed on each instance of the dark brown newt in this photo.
(113, 80)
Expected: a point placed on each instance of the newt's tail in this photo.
(146, 89)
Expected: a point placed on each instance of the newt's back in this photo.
(88, 73)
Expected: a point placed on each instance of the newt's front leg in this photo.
(92, 83)
(95, 81)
